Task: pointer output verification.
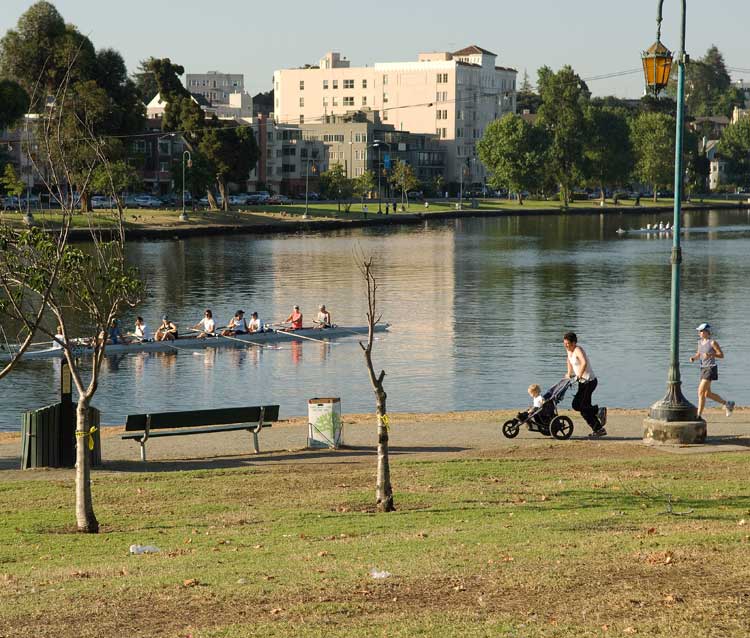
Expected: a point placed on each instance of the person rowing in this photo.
(295, 319)
(323, 320)
(167, 331)
(141, 331)
(237, 325)
(206, 326)
(255, 324)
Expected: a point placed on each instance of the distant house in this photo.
(717, 165)
(710, 126)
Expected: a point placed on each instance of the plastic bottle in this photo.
(144, 549)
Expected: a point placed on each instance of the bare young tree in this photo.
(383, 487)
(42, 273)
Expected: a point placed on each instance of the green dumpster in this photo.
(48, 437)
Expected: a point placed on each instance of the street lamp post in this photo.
(673, 419)
(378, 144)
(185, 153)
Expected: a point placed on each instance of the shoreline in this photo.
(296, 224)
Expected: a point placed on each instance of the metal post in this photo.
(380, 195)
(183, 215)
(674, 407)
(307, 184)
(461, 187)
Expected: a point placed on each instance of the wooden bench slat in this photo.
(197, 418)
(218, 428)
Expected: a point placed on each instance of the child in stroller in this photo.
(543, 417)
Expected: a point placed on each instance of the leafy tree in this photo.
(403, 178)
(12, 184)
(708, 86)
(125, 112)
(652, 136)
(363, 185)
(145, 82)
(609, 156)
(14, 102)
(565, 97)
(526, 98)
(119, 177)
(735, 146)
(198, 178)
(43, 52)
(232, 153)
(514, 152)
(336, 185)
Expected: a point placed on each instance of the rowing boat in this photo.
(193, 343)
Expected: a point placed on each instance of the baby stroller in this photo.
(545, 418)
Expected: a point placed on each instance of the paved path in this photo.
(416, 435)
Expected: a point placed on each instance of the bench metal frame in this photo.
(204, 422)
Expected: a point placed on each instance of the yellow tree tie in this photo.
(386, 421)
(89, 434)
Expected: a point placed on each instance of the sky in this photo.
(596, 37)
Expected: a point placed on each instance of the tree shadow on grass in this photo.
(348, 454)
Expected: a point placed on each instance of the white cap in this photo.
(704, 326)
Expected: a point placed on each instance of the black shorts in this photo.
(710, 373)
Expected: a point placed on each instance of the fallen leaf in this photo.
(651, 530)
(275, 611)
(630, 630)
(742, 522)
(190, 582)
(323, 553)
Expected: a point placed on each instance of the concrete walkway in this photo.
(416, 435)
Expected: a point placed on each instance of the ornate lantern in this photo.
(657, 64)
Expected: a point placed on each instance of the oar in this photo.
(245, 342)
(165, 342)
(294, 335)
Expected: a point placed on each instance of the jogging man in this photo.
(580, 369)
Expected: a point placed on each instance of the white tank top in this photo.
(577, 359)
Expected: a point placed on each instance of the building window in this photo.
(364, 101)
(364, 84)
(301, 85)
(349, 100)
(459, 132)
(385, 116)
(302, 101)
(164, 167)
(385, 79)
(301, 119)
(163, 148)
(325, 84)
(348, 84)
(335, 84)
(385, 98)
(335, 101)
(325, 101)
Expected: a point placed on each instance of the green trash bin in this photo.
(48, 437)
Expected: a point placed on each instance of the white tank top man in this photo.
(580, 368)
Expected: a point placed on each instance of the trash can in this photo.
(325, 428)
(48, 437)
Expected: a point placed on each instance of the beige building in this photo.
(451, 95)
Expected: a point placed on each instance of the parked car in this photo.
(147, 201)
(237, 200)
(278, 199)
(10, 202)
(258, 197)
(415, 194)
(102, 201)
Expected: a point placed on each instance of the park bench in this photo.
(142, 427)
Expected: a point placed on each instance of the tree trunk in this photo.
(86, 202)
(655, 193)
(601, 194)
(383, 488)
(223, 192)
(85, 517)
(211, 200)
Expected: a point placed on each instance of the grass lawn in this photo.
(554, 540)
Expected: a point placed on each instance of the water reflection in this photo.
(478, 307)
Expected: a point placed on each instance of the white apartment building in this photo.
(225, 92)
(452, 95)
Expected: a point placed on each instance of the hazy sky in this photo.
(596, 37)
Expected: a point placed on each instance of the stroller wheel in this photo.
(561, 427)
(510, 429)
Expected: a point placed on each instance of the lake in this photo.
(477, 306)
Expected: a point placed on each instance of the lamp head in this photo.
(657, 64)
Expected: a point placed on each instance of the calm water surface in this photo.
(478, 309)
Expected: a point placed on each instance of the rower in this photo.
(141, 331)
(59, 339)
(295, 318)
(167, 331)
(255, 324)
(206, 326)
(323, 320)
(237, 325)
(114, 336)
